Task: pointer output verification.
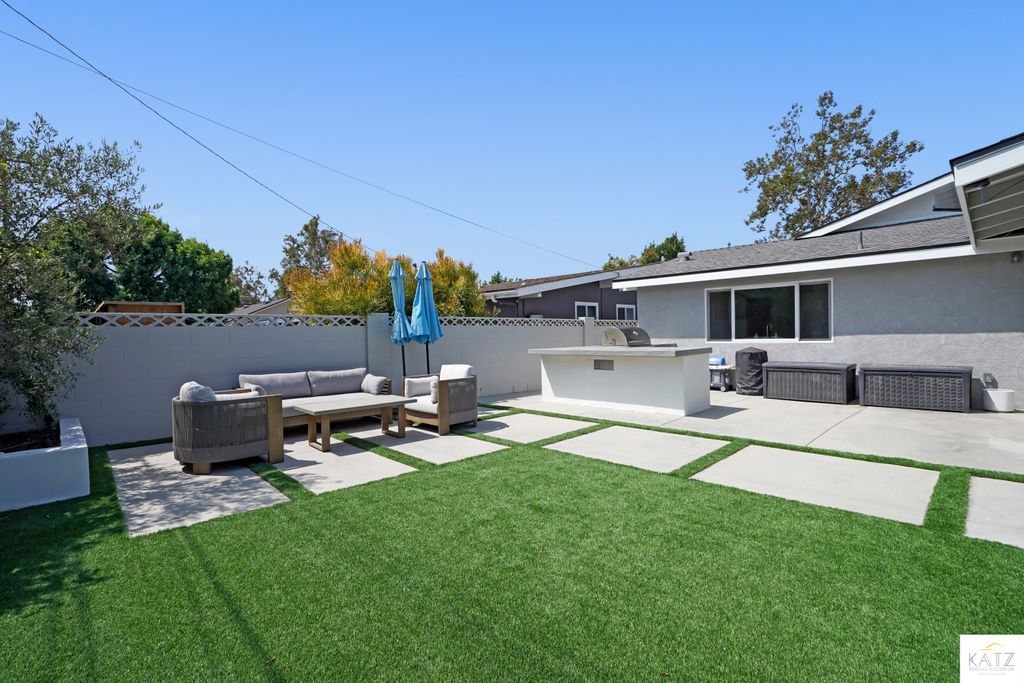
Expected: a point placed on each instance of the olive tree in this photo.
(54, 193)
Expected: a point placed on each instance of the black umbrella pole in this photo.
(404, 373)
(428, 357)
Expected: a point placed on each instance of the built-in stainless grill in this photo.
(628, 336)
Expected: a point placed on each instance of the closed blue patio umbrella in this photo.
(400, 327)
(425, 326)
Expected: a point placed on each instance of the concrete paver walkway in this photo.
(426, 444)
(155, 494)
(343, 467)
(995, 511)
(643, 448)
(526, 428)
(880, 490)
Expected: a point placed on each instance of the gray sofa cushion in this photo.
(418, 386)
(236, 396)
(423, 404)
(326, 382)
(287, 384)
(372, 384)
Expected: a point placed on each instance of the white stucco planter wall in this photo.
(45, 475)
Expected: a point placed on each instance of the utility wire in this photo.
(174, 125)
(296, 155)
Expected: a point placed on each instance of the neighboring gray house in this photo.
(575, 295)
(933, 275)
(275, 307)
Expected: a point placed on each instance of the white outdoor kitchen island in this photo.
(665, 379)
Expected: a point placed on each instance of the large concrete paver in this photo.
(156, 494)
(643, 448)
(426, 445)
(995, 511)
(988, 441)
(526, 428)
(343, 467)
(876, 489)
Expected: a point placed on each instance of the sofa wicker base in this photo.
(817, 382)
(922, 387)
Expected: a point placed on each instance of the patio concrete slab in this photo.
(880, 490)
(988, 441)
(994, 511)
(343, 467)
(642, 448)
(526, 428)
(754, 417)
(155, 494)
(427, 445)
(977, 440)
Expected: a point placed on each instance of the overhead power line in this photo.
(174, 125)
(287, 151)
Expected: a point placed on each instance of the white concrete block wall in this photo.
(125, 394)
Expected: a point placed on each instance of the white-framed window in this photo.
(586, 309)
(792, 311)
(625, 311)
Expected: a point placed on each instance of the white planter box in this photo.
(45, 475)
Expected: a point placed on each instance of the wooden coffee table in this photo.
(354, 405)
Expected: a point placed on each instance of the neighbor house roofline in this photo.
(535, 286)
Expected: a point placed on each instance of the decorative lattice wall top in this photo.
(616, 323)
(215, 320)
(452, 321)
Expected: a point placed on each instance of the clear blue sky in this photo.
(589, 127)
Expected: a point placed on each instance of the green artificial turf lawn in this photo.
(525, 563)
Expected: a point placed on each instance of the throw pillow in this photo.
(194, 391)
(372, 384)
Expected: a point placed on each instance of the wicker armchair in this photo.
(456, 397)
(206, 432)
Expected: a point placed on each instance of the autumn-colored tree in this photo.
(356, 283)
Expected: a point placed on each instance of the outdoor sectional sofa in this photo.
(304, 387)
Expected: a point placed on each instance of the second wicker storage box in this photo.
(925, 387)
(819, 382)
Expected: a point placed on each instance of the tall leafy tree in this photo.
(251, 286)
(53, 193)
(655, 252)
(356, 283)
(165, 266)
(805, 183)
(498, 278)
(308, 250)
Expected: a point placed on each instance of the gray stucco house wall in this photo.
(955, 311)
(561, 303)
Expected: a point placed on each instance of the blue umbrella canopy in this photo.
(425, 326)
(400, 333)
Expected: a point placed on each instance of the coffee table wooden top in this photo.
(351, 403)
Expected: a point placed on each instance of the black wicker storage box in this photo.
(940, 387)
(820, 382)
